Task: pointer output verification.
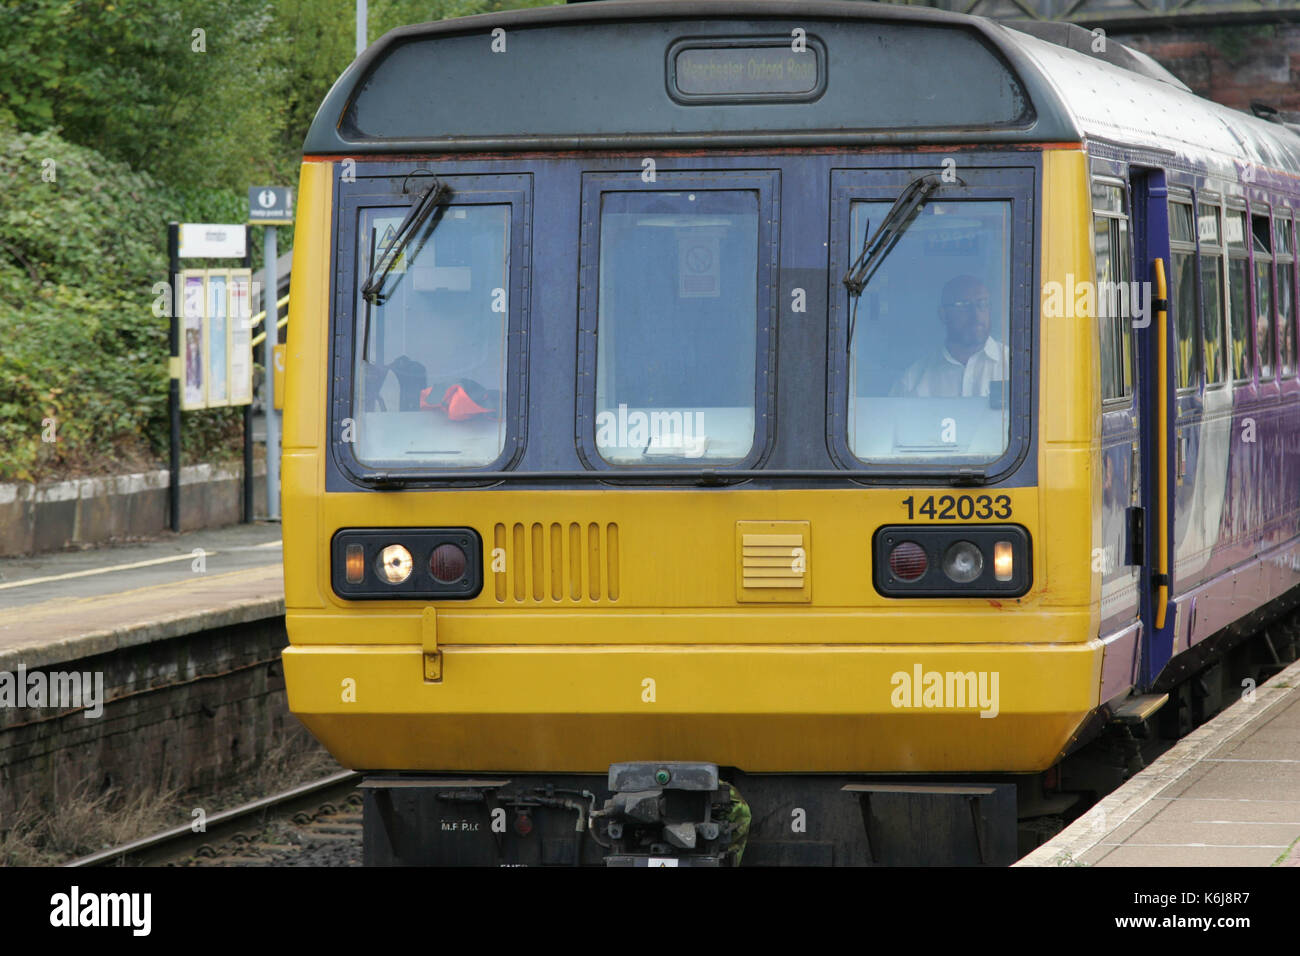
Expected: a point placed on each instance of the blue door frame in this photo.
(1151, 242)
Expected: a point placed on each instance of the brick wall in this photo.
(190, 712)
(1232, 65)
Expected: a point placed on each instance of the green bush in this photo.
(82, 243)
(89, 94)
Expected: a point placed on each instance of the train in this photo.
(749, 432)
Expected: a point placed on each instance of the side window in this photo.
(1234, 234)
(1262, 250)
(1114, 261)
(1182, 292)
(1284, 257)
(1211, 254)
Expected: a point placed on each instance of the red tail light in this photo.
(907, 561)
(447, 563)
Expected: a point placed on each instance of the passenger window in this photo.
(1211, 255)
(1234, 234)
(1182, 290)
(677, 326)
(1114, 306)
(1284, 257)
(1262, 247)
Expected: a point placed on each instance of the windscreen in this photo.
(430, 379)
(677, 326)
(930, 361)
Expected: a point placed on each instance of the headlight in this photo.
(394, 564)
(962, 562)
(406, 563)
(944, 561)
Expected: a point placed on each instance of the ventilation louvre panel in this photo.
(555, 563)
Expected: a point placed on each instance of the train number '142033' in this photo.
(959, 507)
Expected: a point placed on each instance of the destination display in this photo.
(746, 71)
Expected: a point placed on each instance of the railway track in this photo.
(314, 824)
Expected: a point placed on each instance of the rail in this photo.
(170, 843)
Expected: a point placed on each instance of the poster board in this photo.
(216, 338)
(194, 386)
(241, 336)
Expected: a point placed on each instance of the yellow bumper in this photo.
(787, 708)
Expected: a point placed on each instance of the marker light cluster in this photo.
(406, 563)
(949, 561)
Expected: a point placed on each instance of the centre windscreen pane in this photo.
(677, 326)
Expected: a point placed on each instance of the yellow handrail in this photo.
(256, 320)
(259, 339)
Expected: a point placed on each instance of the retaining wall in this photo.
(91, 511)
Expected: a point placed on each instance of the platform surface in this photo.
(1227, 794)
(71, 605)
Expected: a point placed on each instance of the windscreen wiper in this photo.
(372, 289)
(416, 217)
(890, 230)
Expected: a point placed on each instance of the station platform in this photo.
(72, 605)
(1227, 794)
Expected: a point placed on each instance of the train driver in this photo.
(969, 358)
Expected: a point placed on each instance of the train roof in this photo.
(578, 76)
(1137, 107)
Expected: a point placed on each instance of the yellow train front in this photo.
(679, 466)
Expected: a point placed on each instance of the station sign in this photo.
(270, 205)
(216, 338)
(210, 240)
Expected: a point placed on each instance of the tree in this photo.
(189, 96)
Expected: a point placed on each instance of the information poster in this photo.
(241, 337)
(218, 336)
(194, 392)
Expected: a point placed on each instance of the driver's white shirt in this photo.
(942, 376)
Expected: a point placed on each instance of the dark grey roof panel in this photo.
(1079, 40)
(596, 76)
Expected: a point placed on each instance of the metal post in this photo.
(361, 27)
(270, 294)
(174, 367)
(248, 409)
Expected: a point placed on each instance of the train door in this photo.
(1118, 308)
(1165, 284)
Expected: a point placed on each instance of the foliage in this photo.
(321, 44)
(79, 256)
(135, 82)
(141, 120)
